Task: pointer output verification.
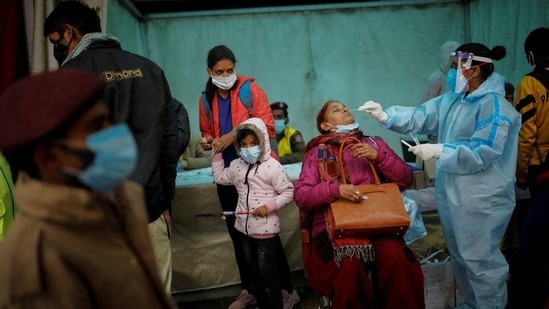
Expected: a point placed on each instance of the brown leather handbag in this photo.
(381, 211)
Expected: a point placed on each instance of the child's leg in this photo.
(267, 250)
(283, 268)
(251, 252)
(228, 197)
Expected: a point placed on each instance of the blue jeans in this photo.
(261, 256)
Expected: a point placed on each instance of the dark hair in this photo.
(537, 42)
(477, 49)
(320, 116)
(281, 106)
(216, 54)
(74, 13)
(241, 134)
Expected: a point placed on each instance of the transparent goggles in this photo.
(465, 59)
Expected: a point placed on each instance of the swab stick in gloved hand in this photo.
(375, 110)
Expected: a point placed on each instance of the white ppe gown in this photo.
(475, 181)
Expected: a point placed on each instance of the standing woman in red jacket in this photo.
(222, 112)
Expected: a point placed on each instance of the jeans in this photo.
(261, 255)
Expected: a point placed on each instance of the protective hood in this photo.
(258, 126)
(445, 50)
(495, 83)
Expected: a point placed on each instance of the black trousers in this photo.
(261, 255)
(228, 198)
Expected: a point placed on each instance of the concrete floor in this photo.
(440, 290)
(222, 297)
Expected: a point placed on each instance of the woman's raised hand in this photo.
(362, 150)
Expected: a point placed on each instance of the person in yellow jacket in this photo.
(529, 284)
(7, 204)
(291, 145)
(531, 101)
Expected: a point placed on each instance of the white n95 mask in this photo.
(224, 83)
(462, 84)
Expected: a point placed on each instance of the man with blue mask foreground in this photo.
(80, 239)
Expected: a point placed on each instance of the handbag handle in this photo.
(349, 141)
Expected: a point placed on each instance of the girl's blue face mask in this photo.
(109, 160)
(250, 154)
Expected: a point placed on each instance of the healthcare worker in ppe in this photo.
(475, 171)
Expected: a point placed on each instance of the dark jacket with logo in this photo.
(138, 94)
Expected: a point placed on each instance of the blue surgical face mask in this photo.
(114, 154)
(451, 78)
(346, 128)
(456, 82)
(280, 124)
(251, 154)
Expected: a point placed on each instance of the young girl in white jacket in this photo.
(263, 188)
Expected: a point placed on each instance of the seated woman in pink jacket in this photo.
(397, 278)
(263, 188)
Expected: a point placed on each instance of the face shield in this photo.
(464, 62)
(465, 59)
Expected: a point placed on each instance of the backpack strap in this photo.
(245, 96)
(207, 107)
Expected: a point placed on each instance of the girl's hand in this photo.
(261, 211)
(221, 143)
(350, 192)
(362, 150)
